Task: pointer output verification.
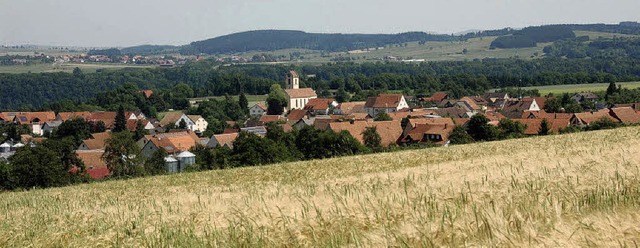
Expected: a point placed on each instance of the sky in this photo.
(119, 23)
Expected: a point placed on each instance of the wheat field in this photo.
(560, 191)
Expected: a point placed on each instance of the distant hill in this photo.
(271, 40)
(531, 36)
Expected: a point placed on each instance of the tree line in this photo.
(33, 91)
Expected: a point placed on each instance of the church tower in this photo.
(292, 80)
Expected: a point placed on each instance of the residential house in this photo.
(272, 118)
(515, 108)
(390, 131)
(259, 130)
(97, 141)
(173, 143)
(49, 126)
(109, 118)
(586, 118)
(223, 140)
(34, 120)
(436, 97)
(64, 116)
(347, 108)
(585, 97)
(175, 118)
(257, 110)
(385, 103)
(626, 115)
(430, 133)
(493, 97)
(413, 123)
(94, 164)
(199, 124)
(320, 106)
(296, 114)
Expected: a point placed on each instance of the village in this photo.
(399, 121)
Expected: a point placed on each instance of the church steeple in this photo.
(292, 80)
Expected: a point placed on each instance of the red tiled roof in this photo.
(389, 131)
(261, 106)
(352, 107)
(437, 97)
(460, 121)
(384, 101)
(301, 93)
(588, 117)
(318, 104)
(97, 140)
(472, 103)
(296, 114)
(226, 139)
(95, 166)
(109, 118)
(64, 116)
(271, 118)
(147, 93)
(533, 125)
(28, 117)
(626, 115)
(175, 142)
(171, 118)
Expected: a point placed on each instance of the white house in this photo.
(387, 103)
(199, 123)
(257, 110)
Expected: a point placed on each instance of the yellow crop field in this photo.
(569, 190)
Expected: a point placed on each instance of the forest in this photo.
(33, 90)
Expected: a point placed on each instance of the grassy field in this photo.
(253, 99)
(576, 88)
(66, 67)
(559, 191)
(477, 48)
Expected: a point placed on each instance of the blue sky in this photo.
(135, 22)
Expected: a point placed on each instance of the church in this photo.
(297, 97)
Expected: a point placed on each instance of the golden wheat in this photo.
(568, 190)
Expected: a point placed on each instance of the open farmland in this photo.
(576, 88)
(65, 67)
(571, 190)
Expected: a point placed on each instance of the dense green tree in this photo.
(611, 89)
(182, 124)
(510, 129)
(140, 131)
(371, 138)
(244, 103)
(552, 105)
(480, 129)
(342, 95)
(603, 123)
(383, 116)
(460, 136)
(250, 149)
(156, 164)
(37, 167)
(77, 128)
(545, 128)
(97, 127)
(276, 101)
(121, 121)
(122, 155)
